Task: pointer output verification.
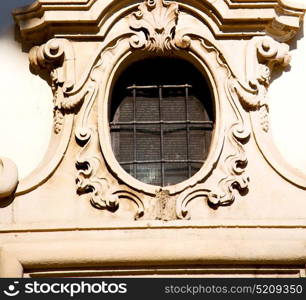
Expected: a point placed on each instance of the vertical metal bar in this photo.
(160, 94)
(188, 129)
(134, 131)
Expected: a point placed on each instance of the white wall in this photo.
(288, 106)
(26, 103)
(25, 100)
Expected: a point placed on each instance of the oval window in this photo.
(161, 120)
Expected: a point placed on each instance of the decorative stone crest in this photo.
(165, 206)
(155, 23)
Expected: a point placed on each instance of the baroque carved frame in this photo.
(159, 27)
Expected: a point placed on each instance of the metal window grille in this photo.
(161, 133)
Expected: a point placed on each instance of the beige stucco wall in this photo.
(26, 103)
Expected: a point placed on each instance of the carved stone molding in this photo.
(255, 17)
(287, 21)
(120, 51)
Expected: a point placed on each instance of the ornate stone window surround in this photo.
(84, 45)
(126, 31)
(128, 58)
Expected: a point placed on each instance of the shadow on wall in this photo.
(293, 46)
(299, 36)
(6, 8)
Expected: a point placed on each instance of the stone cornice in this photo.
(293, 4)
(45, 19)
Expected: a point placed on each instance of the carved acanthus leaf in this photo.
(154, 25)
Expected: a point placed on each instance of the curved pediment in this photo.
(92, 18)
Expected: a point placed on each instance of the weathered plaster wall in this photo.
(26, 102)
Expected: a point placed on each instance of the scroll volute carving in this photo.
(262, 54)
(58, 58)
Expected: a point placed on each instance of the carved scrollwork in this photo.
(125, 194)
(92, 179)
(263, 53)
(58, 58)
(89, 181)
(231, 171)
(8, 177)
(89, 93)
(235, 177)
(155, 27)
(92, 175)
(103, 196)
